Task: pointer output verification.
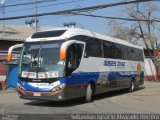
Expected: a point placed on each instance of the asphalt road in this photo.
(146, 99)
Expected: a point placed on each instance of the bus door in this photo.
(74, 56)
(74, 53)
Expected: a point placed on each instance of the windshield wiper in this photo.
(34, 57)
(39, 62)
(40, 55)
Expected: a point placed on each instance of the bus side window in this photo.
(108, 49)
(93, 48)
(125, 53)
(117, 51)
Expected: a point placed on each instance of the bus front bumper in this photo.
(30, 95)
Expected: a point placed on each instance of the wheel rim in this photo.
(89, 93)
(132, 86)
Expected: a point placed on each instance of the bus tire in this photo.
(0, 86)
(89, 93)
(132, 86)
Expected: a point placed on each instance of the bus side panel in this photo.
(104, 72)
(113, 73)
(76, 84)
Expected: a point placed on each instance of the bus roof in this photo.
(65, 33)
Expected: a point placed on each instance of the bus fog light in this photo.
(59, 97)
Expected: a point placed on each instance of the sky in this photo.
(94, 24)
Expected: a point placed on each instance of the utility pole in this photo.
(36, 17)
(4, 19)
(2, 2)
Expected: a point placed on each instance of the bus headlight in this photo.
(20, 86)
(58, 88)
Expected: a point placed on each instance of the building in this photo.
(12, 34)
(151, 70)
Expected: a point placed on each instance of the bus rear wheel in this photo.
(89, 93)
(132, 86)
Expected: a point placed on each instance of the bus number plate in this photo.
(36, 94)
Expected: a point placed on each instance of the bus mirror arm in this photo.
(86, 56)
(11, 49)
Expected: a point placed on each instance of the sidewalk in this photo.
(9, 90)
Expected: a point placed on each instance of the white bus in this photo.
(68, 63)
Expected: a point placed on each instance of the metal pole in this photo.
(36, 17)
(3, 17)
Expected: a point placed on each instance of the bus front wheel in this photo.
(89, 93)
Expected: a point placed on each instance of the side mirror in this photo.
(11, 49)
(63, 49)
(63, 53)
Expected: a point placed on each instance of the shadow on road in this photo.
(79, 101)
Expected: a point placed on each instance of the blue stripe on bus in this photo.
(80, 78)
(121, 75)
(29, 87)
(84, 78)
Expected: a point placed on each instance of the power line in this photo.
(10, 1)
(85, 9)
(115, 18)
(62, 3)
(28, 3)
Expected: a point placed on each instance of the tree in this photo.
(123, 32)
(146, 31)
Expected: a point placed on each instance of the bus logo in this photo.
(139, 68)
(114, 63)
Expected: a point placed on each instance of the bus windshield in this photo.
(40, 60)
